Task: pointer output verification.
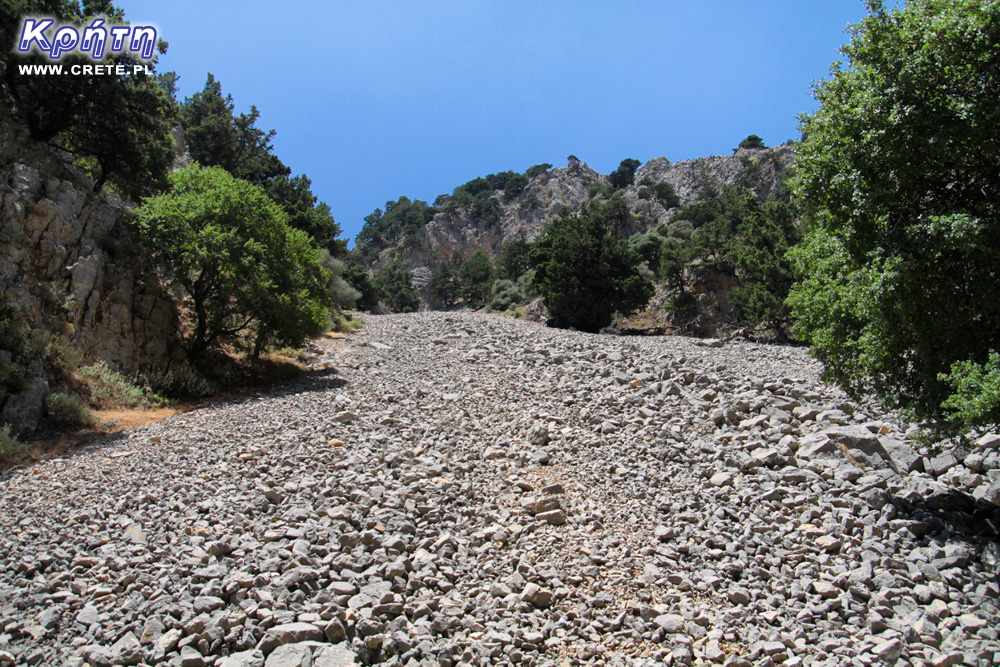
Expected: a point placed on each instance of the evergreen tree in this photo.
(476, 278)
(585, 274)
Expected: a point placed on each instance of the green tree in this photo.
(752, 141)
(758, 251)
(295, 196)
(585, 274)
(900, 295)
(513, 259)
(358, 278)
(624, 175)
(476, 278)
(117, 126)
(395, 285)
(245, 271)
(216, 137)
(443, 287)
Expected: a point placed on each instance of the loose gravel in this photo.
(466, 489)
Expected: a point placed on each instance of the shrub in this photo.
(11, 449)
(67, 411)
(111, 389)
(504, 294)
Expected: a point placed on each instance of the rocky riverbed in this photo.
(462, 489)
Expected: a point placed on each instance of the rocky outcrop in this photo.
(550, 192)
(68, 266)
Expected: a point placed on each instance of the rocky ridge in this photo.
(548, 193)
(463, 489)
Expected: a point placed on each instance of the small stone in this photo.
(828, 543)
(346, 417)
(670, 623)
(889, 651)
(826, 590)
(553, 518)
(539, 597)
(738, 596)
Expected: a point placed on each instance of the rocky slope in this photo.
(469, 489)
(547, 194)
(67, 266)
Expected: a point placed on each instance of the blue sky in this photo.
(383, 98)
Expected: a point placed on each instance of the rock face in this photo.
(507, 494)
(67, 265)
(548, 193)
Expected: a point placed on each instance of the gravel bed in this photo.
(467, 489)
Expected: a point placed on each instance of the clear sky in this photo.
(374, 99)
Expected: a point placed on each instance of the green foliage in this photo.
(536, 170)
(401, 218)
(358, 279)
(118, 126)
(752, 141)
(109, 389)
(585, 274)
(680, 229)
(67, 411)
(244, 269)
(644, 193)
(56, 352)
(648, 247)
(513, 260)
(758, 252)
(514, 186)
(504, 294)
(395, 286)
(666, 195)
(342, 293)
(476, 278)
(899, 294)
(11, 449)
(975, 398)
(216, 137)
(295, 196)
(443, 287)
(624, 175)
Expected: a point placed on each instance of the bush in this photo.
(504, 294)
(67, 411)
(109, 389)
(11, 449)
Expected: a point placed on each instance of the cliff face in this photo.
(546, 194)
(67, 265)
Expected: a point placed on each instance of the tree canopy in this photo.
(900, 295)
(247, 273)
(585, 274)
(116, 126)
